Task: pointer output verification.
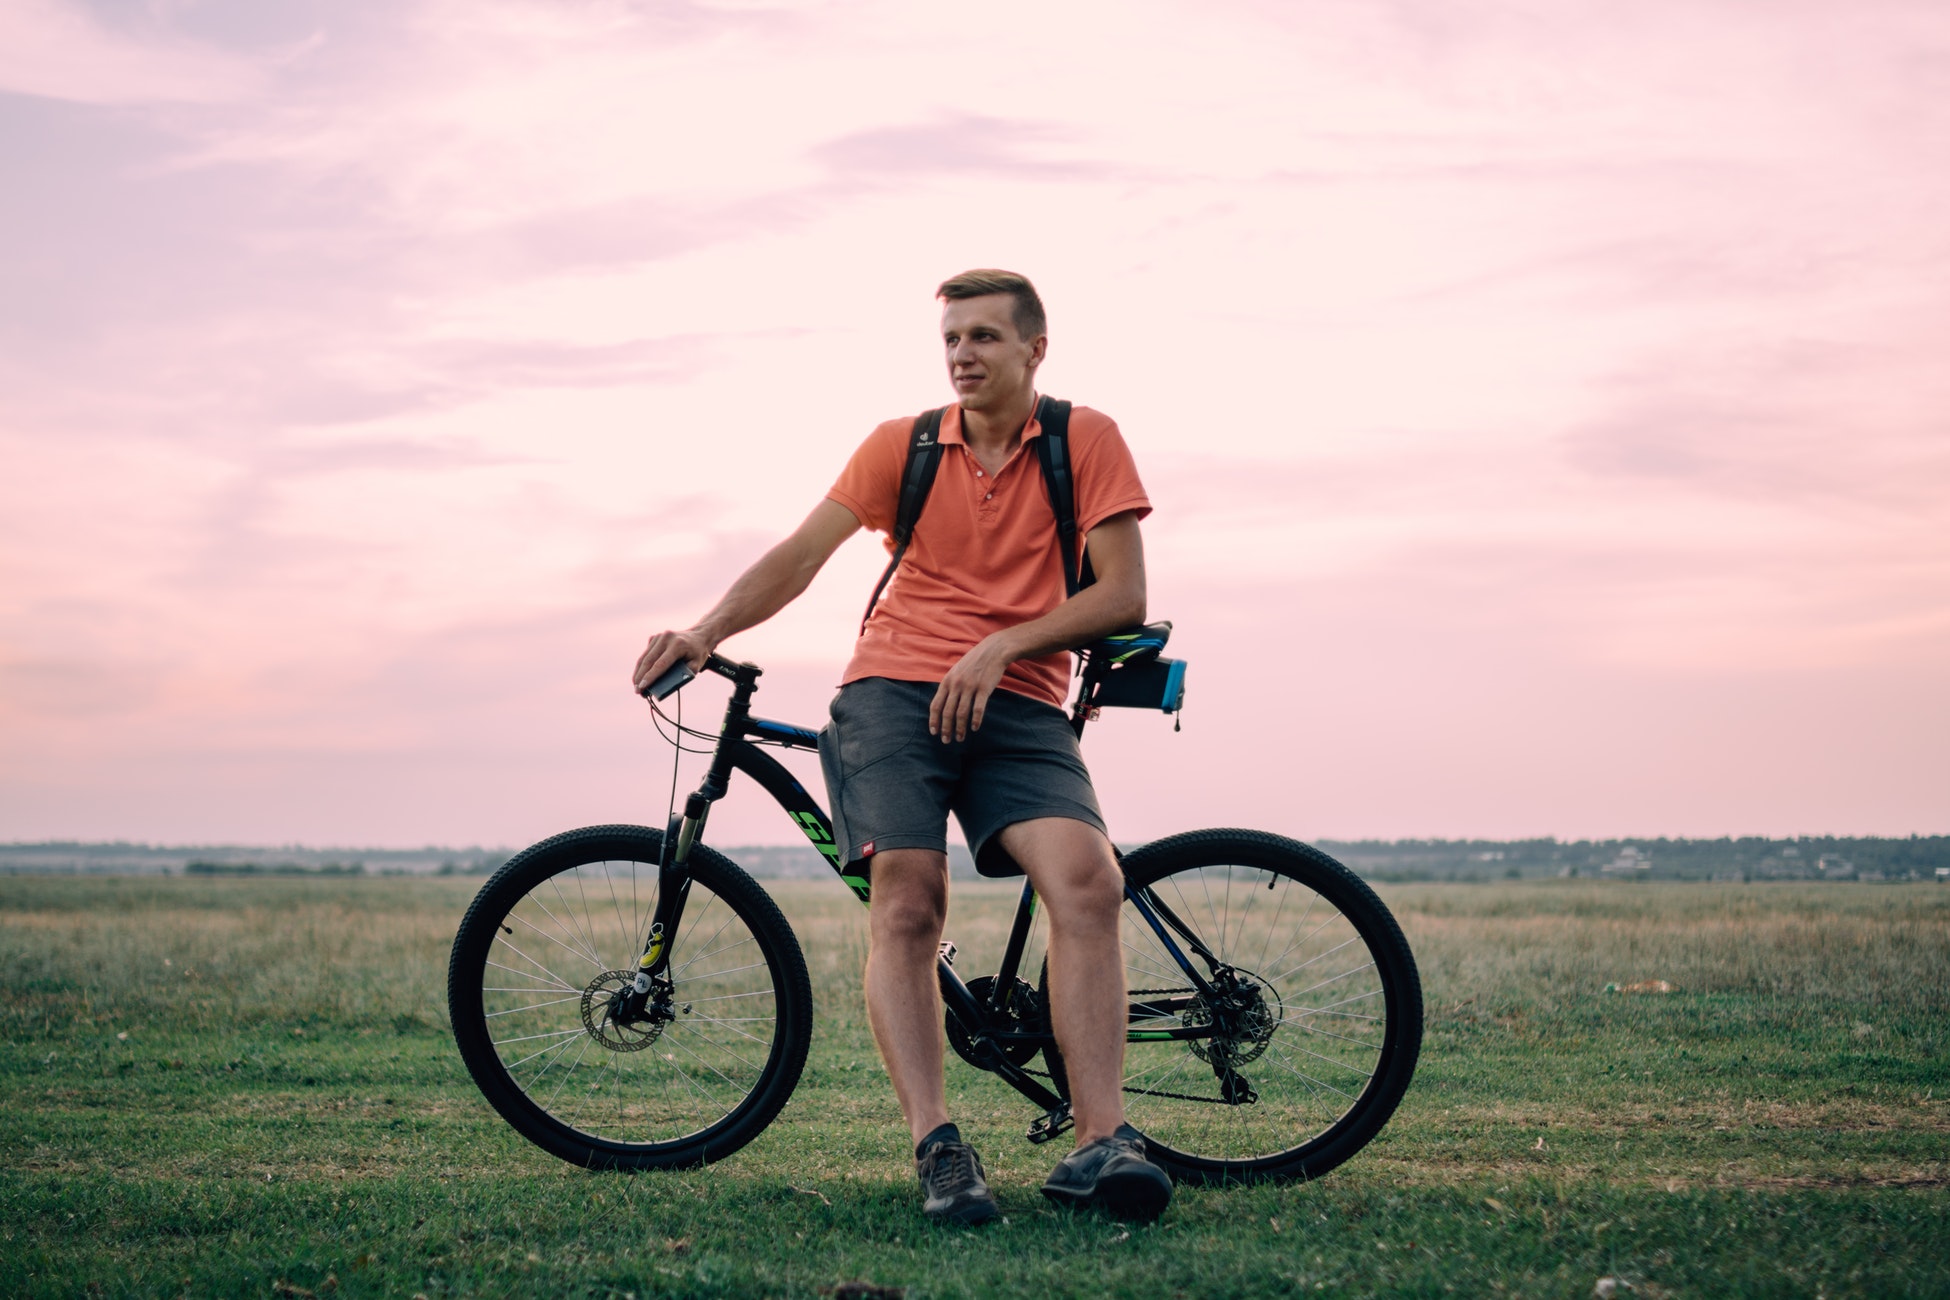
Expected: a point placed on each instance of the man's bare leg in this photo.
(1075, 874)
(905, 918)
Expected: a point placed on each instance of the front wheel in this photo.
(547, 946)
(1312, 1014)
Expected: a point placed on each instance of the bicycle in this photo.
(629, 998)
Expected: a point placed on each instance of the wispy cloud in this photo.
(963, 144)
(65, 50)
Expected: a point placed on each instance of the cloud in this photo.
(1797, 422)
(63, 51)
(543, 364)
(962, 144)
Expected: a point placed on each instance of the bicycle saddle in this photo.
(1131, 646)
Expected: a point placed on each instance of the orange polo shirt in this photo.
(984, 555)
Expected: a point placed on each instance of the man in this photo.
(953, 701)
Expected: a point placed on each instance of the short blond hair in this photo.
(1030, 321)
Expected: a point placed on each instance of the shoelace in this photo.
(949, 1166)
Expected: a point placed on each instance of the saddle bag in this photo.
(1154, 683)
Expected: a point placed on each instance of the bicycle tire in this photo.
(558, 928)
(1299, 927)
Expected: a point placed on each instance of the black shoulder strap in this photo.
(923, 459)
(1053, 450)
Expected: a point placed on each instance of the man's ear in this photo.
(1038, 350)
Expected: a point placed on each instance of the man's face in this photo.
(989, 363)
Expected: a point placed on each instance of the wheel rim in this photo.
(1306, 1022)
(558, 956)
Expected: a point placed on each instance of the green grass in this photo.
(246, 1087)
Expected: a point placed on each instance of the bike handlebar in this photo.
(681, 674)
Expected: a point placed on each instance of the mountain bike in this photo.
(629, 998)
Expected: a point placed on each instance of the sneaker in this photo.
(1113, 1175)
(951, 1176)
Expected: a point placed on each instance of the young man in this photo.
(953, 701)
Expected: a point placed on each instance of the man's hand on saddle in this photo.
(665, 649)
(963, 695)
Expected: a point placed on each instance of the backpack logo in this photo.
(926, 437)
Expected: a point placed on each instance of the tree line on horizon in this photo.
(1752, 857)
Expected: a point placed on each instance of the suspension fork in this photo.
(683, 833)
(673, 890)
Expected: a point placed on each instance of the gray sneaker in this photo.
(951, 1176)
(1113, 1175)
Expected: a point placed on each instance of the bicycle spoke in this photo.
(579, 931)
(552, 978)
(533, 1006)
(544, 1051)
(1320, 957)
(1335, 979)
(587, 954)
(632, 938)
(579, 956)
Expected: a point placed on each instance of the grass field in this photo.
(246, 1087)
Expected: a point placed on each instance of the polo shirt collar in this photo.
(951, 425)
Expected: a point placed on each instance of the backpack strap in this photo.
(1053, 451)
(923, 460)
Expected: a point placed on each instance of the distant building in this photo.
(1629, 862)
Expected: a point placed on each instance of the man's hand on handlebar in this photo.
(665, 649)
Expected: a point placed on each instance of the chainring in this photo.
(1025, 1011)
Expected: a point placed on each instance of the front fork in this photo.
(673, 889)
(649, 990)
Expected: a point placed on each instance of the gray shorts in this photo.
(892, 785)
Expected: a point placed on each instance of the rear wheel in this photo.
(547, 946)
(1315, 1008)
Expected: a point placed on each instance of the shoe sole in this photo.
(1138, 1195)
(966, 1215)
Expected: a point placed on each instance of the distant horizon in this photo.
(725, 846)
(1828, 859)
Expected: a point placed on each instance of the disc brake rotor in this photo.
(608, 1031)
(1251, 1019)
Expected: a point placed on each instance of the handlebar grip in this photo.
(675, 676)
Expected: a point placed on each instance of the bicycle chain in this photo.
(1145, 1092)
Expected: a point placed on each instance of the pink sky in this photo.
(1545, 407)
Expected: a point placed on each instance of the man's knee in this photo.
(1072, 866)
(1093, 896)
(909, 904)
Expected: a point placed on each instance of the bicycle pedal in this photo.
(1051, 1124)
(948, 950)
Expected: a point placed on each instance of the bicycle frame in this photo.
(738, 749)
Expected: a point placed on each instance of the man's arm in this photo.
(762, 591)
(1113, 602)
